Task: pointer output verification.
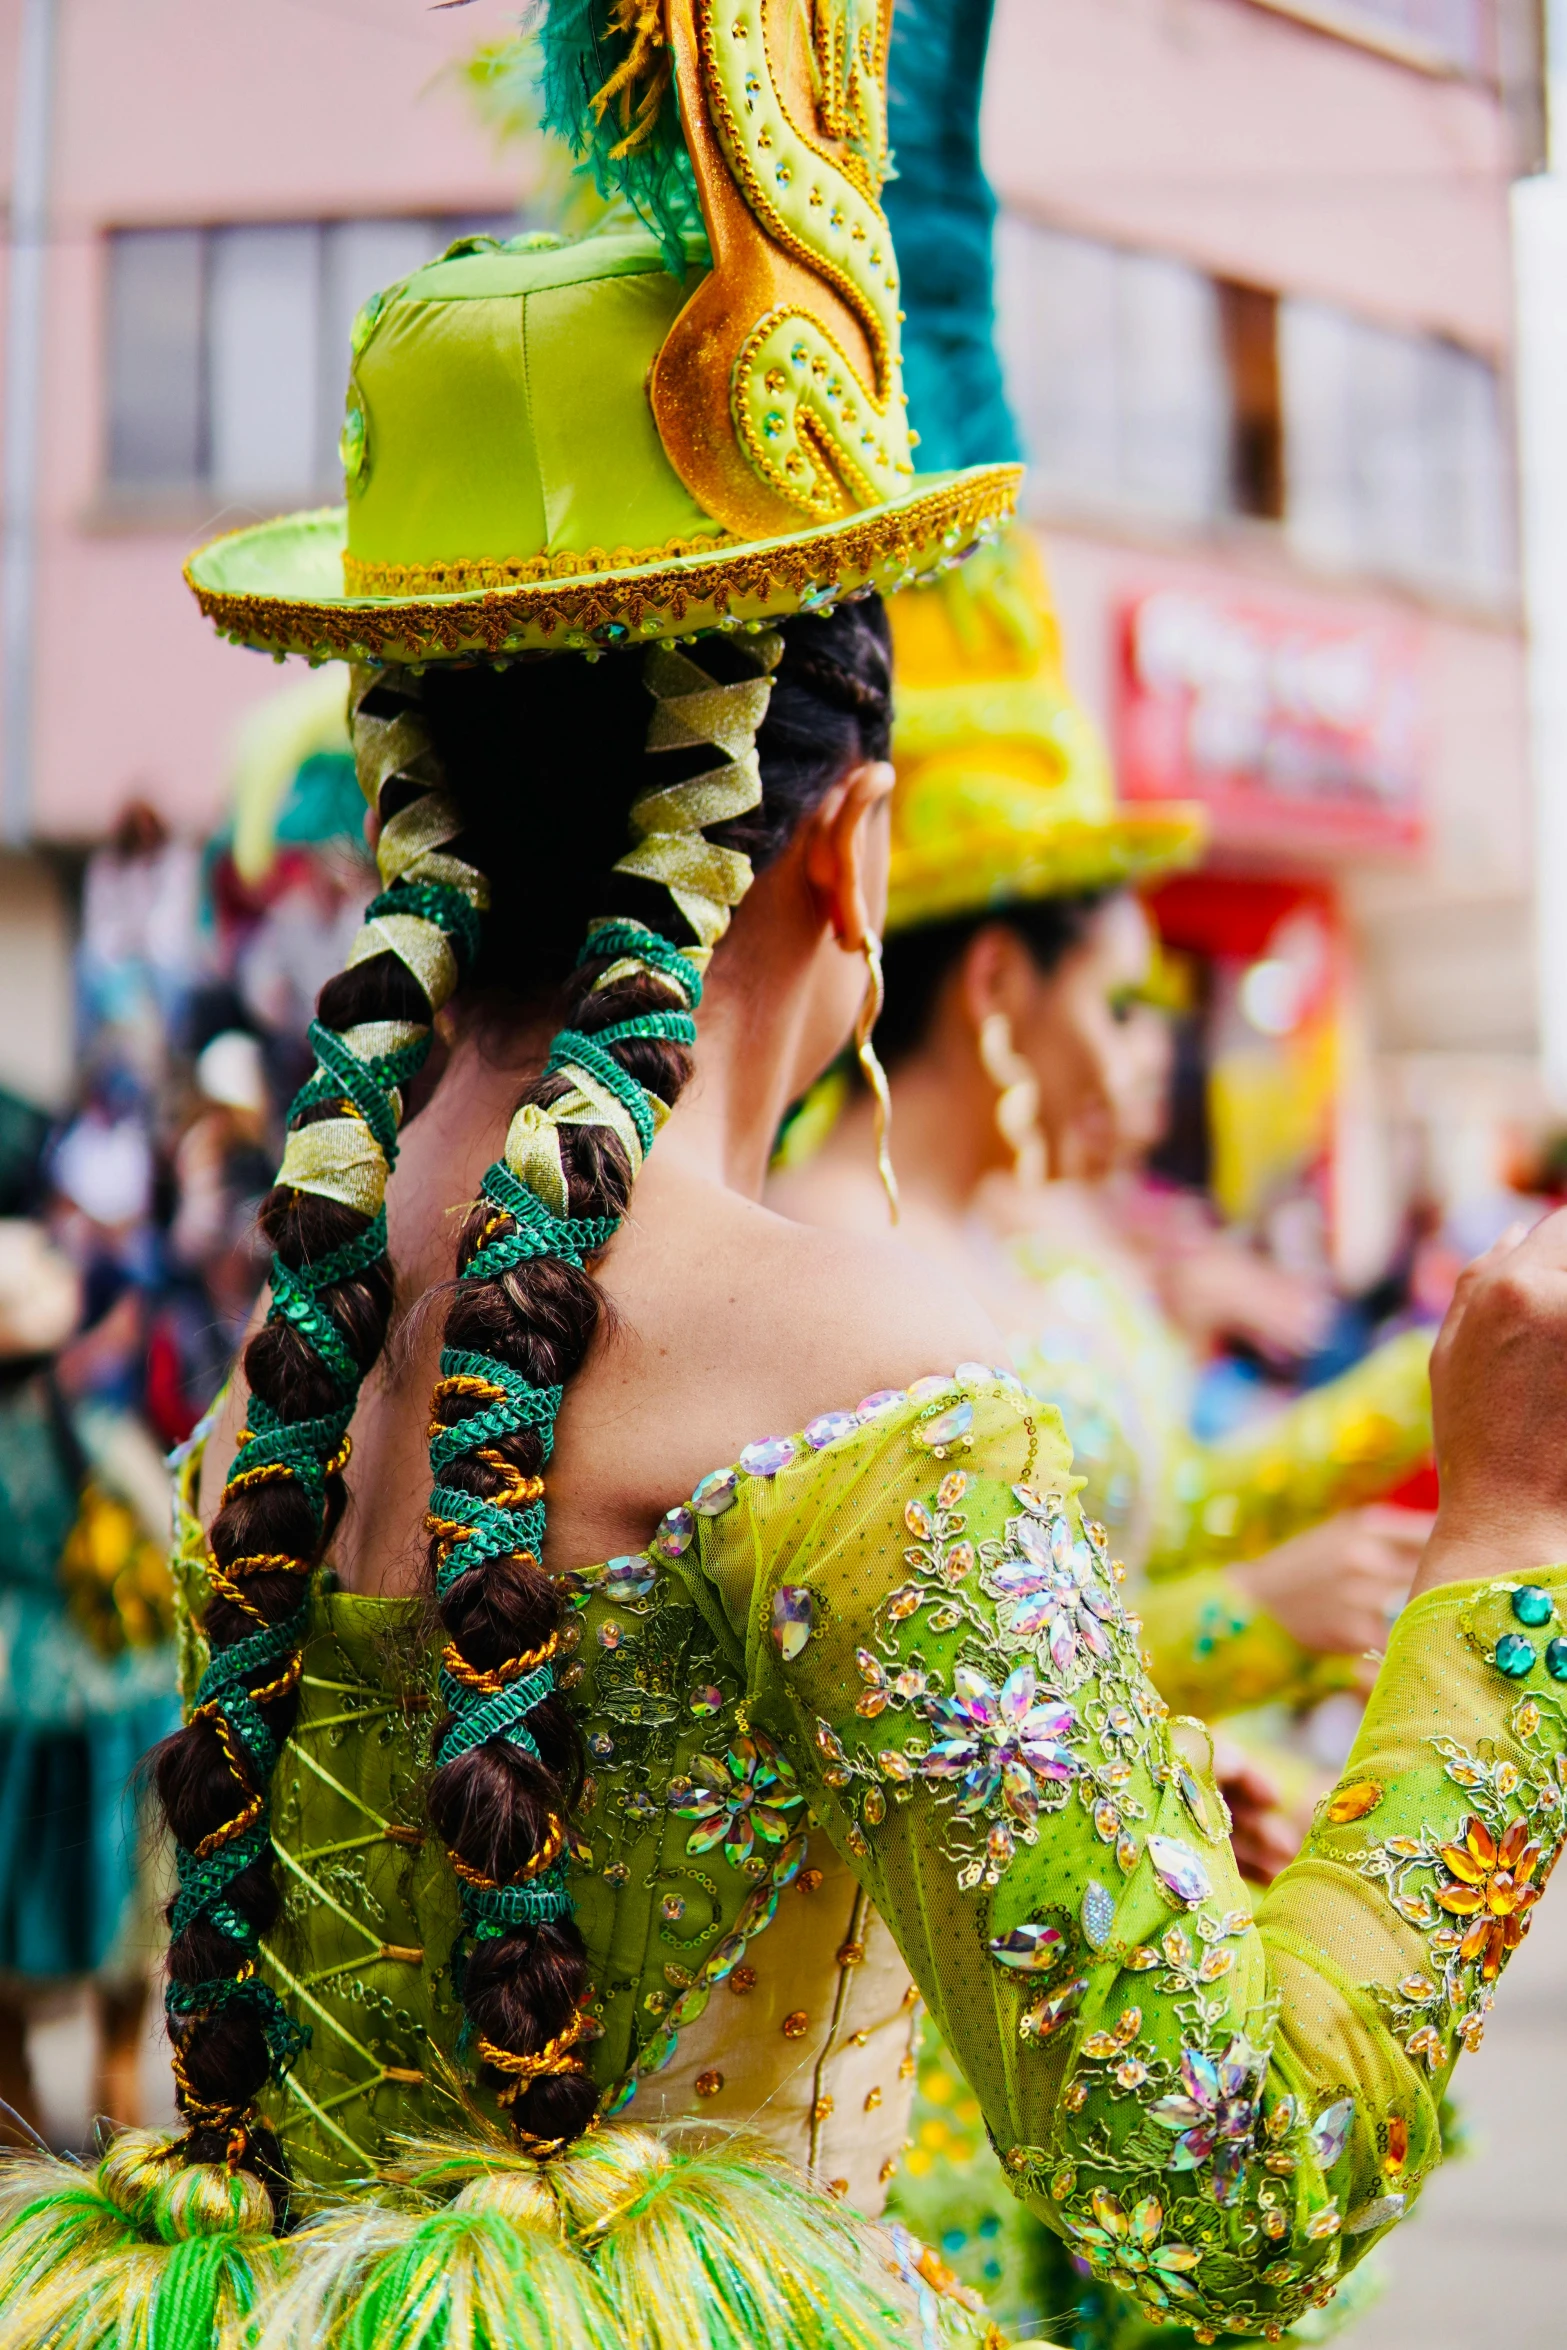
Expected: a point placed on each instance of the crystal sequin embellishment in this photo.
(1179, 1870)
(1556, 1659)
(1194, 1799)
(1375, 2215)
(628, 1578)
(1330, 2131)
(768, 1457)
(974, 1374)
(885, 1399)
(676, 1532)
(706, 1700)
(1514, 1655)
(1355, 1802)
(1532, 1606)
(716, 1493)
(794, 1616)
(926, 1390)
(948, 1427)
(1046, 2015)
(828, 1427)
(1098, 1914)
(1029, 1949)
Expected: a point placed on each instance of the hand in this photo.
(1337, 1587)
(1216, 1289)
(1260, 1832)
(1499, 1404)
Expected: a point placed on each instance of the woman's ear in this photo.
(846, 853)
(997, 974)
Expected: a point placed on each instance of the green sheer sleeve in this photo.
(1221, 2114)
(1333, 1448)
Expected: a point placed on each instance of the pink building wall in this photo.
(168, 113)
(1216, 130)
(1259, 149)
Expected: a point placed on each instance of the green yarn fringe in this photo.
(676, 2239)
(140, 2252)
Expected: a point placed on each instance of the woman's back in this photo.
(724, 1323)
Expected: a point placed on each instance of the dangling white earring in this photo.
(1017, 1099)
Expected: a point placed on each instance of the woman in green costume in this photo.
(499, 1869)
(1016, 958)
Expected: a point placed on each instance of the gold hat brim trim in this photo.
(277, 585)
(1137, 843)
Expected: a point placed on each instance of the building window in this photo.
(1144, 388)
(1250, 321)
(1117, 367)
(1397, 453)
(228, 349)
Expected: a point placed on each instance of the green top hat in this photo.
(554, 446)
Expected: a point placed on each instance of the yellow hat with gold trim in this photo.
(1004, 786)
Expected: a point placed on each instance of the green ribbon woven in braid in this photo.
(367, 1081)
(493, 1530)
(302, 1447)
(499, 1716)
(658, 955)
(572, 1050)
(302, 1450)
(524, 1406)
(538, 1233)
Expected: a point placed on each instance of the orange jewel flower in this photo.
(1492, 1890)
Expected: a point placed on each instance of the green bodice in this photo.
(873, 1707)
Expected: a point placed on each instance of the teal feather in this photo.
(943, 217)
(560, 64)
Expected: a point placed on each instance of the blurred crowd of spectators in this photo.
(196, 976)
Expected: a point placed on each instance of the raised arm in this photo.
(1337, 1446)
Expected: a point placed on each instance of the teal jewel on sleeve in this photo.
(1556, 1660)
(1532, 1606)
(1514, 1655)
(676, 1532)
(716, 1493)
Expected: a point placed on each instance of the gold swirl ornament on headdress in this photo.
(779, 391)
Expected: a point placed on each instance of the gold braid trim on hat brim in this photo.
(909, 539)
(461, 578)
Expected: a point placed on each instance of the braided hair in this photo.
(522, 774)
(526, 1307)
(331, 1294)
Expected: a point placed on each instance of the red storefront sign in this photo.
(1297, 731)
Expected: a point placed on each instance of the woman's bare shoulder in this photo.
(779, 1320)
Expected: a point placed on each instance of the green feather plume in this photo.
(596, 74)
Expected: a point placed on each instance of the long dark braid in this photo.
(526, 1308)
(331, 1294)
